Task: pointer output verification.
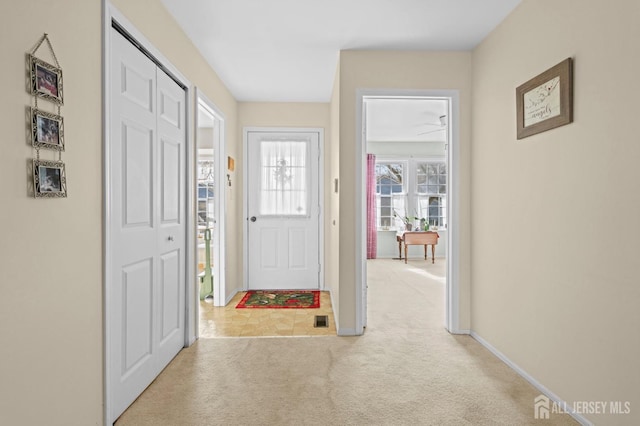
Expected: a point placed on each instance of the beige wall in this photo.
(398, 70)
(283, 114)
(51, 249)
(555, 216)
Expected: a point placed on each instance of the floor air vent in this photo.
(321, 321)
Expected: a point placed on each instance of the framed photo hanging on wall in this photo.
(46, 80)
(47, 130)
(49, 179)
(546, 101)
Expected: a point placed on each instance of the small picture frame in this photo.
(47, 130)
(46, 80)
(546, 101)
(49, 179)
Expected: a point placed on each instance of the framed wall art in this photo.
(47, 130)
(49, 179)
(46, 80)
(546, 101)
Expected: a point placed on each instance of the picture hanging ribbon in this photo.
(45, 37)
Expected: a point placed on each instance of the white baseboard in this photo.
(467, 332)
(226, 302)
(334, 311)
(552, 396)
(340, 331)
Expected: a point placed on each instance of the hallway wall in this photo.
(555, 244)
(399, 70)
(333, 210)
(51, 249)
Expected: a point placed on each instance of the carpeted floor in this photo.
(405, 370)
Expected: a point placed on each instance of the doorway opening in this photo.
(283, 235)
(210, 206)
(408, 140)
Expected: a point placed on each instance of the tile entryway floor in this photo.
(227, 321)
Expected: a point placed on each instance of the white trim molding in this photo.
(220, 170)
(231, 296)
(544, 390)
(452, 310)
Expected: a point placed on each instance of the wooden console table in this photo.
(420, 238)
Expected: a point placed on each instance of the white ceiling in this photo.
(407, 120)
(287, 50)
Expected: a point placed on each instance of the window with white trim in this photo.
(411, 187)
(431, 192)
(390, 192)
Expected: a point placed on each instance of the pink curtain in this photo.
(372, 226)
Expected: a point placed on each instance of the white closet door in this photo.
(147, 223)
(171, 217)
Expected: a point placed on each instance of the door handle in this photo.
(253, 219)
(170, 238)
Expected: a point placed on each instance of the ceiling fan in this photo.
(442, 125)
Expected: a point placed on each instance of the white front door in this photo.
(283, 210)
(146, 161)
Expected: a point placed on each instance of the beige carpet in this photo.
(405, 370)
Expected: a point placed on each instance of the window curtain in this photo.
(284, 177)
(372, 225)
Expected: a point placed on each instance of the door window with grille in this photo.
(284, 178)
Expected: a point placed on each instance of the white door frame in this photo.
(245, 198)
(219, 201)
(112, 15)
(452, 313)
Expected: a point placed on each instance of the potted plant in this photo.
(408, 221)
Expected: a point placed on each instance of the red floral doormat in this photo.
(277, 299)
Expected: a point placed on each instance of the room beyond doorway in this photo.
(413, 136)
